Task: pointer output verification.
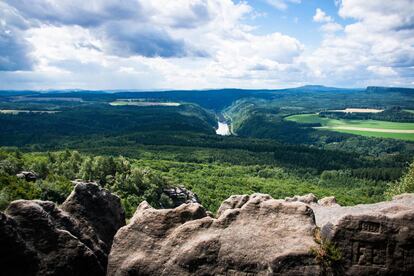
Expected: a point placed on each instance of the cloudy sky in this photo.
(197, 44)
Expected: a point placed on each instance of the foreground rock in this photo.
(254, 235)
(37, 238)
(374, 239)
(97, 210)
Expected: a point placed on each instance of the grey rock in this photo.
(180, 195)
(14, 251)
(57, 251)
(253, 235)
(27, 175)
(48, 240)
(97, 210)
(374, 239)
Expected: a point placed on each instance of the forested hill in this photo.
(210, 99)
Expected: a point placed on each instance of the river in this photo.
(223, 129)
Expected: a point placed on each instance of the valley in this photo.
(283, 143)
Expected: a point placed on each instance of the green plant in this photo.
(405, 185)
(327, 255)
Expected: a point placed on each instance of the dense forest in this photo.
(137, 151)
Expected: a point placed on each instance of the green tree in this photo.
(405, 185)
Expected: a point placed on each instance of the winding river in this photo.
(223, 128)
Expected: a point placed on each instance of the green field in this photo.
(372, 127)
(142, 103)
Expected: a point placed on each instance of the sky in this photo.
(205, 44)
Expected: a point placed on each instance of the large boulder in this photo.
(14, 251)
(180, 195)
(74, 240)
(254, 235)
(97, 210)
(56, 250)
(374, 239)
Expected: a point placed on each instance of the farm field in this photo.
(142, 103)
(371, 128)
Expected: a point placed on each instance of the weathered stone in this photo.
(253, 235)
(308, 199)
(56, 250)
(97, 210)
(328, 201)
(236, 201)
(374, 239)
(180, 195)
(27, 175)
(14, 251)
(52, 241)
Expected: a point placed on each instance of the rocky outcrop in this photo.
(38, 238)
(258, 235)
(328, 201)
(250, 235)
(180, 195)
(374, 239)
(27, 175)
(308, 199)
(13, 250)
(253, 235)
(97, 210)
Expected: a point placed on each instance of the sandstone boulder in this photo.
(54, 250)
(14, 251)
(97, 210)
(308, 199)
(253, 235)
(38, 238)
(374, 239)
(328, 201)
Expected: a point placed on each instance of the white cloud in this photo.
(382, 70)
(188, 44)
(282, 4)
(177, 44)
(378, 47)
(331, 27)
(321, 16)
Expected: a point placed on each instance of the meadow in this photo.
(372, 128)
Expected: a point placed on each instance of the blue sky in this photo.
(199, 44)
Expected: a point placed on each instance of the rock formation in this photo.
(38, 238)
(374, 239)
(254, 235)
(96, 208)
(180, 195)
(27, 175)
(251, 235)
(258, 235)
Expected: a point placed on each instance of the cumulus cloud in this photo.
(331, 27)
(14, 49)
(377, 47)
(321, 16)
(77, 12)
(198, 43)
